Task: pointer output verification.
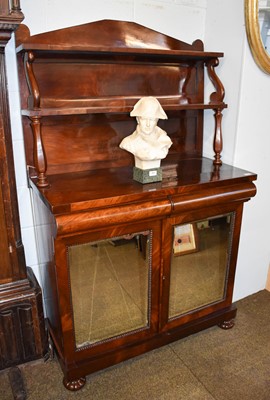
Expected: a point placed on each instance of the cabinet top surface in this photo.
(82, 191)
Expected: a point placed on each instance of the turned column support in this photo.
(39, 155)
(33, 101)
(218, 140)
(216, 98)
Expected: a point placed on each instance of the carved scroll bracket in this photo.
(34, 94)
(40, 161)
(218, 95)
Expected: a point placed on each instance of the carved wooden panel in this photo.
(22, 326)
(22, 330)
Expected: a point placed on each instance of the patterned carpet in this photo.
(211, 365)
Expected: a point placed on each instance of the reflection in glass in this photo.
(264, 22)
(199, 264)
(110, 286)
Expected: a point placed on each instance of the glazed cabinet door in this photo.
(108, 288)
(199, 264)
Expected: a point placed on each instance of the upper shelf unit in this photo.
(79, 84)
(110, 65)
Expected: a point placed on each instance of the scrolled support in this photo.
(218, 95)
(39, 155)
(34, 96)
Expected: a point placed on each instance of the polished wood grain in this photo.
(107, 34)
(117, 66)
(78, 86)
(111, 188)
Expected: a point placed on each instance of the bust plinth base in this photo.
(147, 175)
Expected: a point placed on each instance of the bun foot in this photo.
(226, 324)
(74, 385)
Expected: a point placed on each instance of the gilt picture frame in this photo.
(185, 239)
(253, 30)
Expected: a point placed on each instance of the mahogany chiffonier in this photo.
(129, 266)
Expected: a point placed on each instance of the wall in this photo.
(186, 20)
(246, 138)
(252, 151)
(173, 17)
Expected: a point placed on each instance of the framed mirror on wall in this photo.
(257, 16)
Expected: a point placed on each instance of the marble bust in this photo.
(148, 143)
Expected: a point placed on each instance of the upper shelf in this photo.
(107, 66)
(110, 105)
(109, 36)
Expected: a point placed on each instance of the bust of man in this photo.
(148, 143)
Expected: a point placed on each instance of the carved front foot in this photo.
(74, 385)
(226, 324)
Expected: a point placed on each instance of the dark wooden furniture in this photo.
(22, 326)
(118, 282)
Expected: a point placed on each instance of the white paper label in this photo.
(152, 173)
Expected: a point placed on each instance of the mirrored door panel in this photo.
(199, 264)
(110, 287)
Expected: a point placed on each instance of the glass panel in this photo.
(199, 264)
(110, 286)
